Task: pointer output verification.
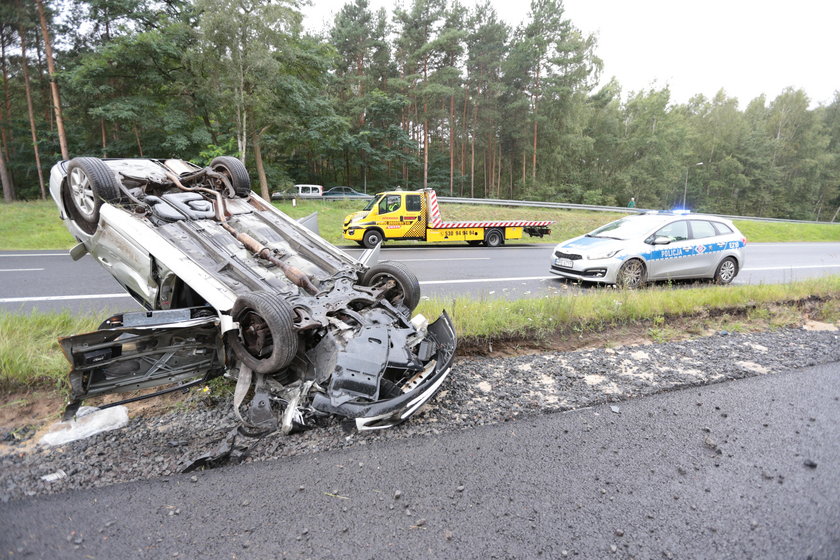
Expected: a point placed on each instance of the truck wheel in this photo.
(267, 341)
(89, 183)
(407, 289)
(494, 238)
(372, 238)
(236, 173)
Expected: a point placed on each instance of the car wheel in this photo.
(632, 274)
(267, 341)
(494, 238)
(235, 172)
(726, 271)
(407, 289)
(89, 183)
(372, 238)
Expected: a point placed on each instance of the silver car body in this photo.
(357, 351)
(670, 245)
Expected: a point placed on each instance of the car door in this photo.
(706, 252)
(390, 214)
(144, 349)
(672, 251)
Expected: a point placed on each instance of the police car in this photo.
(653, 246)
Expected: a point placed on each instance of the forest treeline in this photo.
(428, 94)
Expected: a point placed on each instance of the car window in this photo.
(389, 203)
(412, 203)
(675, 231)
(722, 229)
(701, 229)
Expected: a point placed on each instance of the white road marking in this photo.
(61, 298)
(20, 269)
(790, 267)
(430, 260)
(67, 254)
(480, 280)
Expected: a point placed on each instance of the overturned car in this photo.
(233, 286)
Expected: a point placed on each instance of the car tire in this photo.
(632, 274)
(373, 237)
(726, 271)
(256, 313)
(89, 183)
(408, 288)
(494, 238)
(236, 173)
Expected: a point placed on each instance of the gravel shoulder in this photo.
(480, 391)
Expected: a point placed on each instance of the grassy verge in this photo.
(30, 357)
(35, 225)
(595, 311)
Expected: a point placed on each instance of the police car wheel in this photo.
(632, 274)
(726, 271)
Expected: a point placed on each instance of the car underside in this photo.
(231, 286)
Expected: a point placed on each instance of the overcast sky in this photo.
(747, 47)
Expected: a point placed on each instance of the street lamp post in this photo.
(685, 186)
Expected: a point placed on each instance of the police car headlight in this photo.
(599, 256)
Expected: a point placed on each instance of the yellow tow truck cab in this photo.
(415, 215)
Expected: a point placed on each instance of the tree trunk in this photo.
(260, 167)
(28, 89)
(56, 98)
(6, 96)
(534, 156)
(5, 140)
(104, 137)
(136, 137)
(463, 161)
(425, 150)
(452, 145)
(8, 189)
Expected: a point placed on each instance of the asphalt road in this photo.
(742, 469)
(51, 281)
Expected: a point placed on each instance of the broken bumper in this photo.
(390, 412)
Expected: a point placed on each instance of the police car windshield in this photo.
(623, 229)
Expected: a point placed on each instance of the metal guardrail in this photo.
(570, 206)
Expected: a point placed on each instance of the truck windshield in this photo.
(372, 204)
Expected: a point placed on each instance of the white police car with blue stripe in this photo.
(653, 246)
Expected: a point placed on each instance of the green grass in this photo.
(36, 225)
(786, 232)
(32, 225)
(597, 310)
(31, 358)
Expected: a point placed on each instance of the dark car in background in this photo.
(345, 192)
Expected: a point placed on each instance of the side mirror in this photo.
(661, 240)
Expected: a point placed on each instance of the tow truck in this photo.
(415, 215)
